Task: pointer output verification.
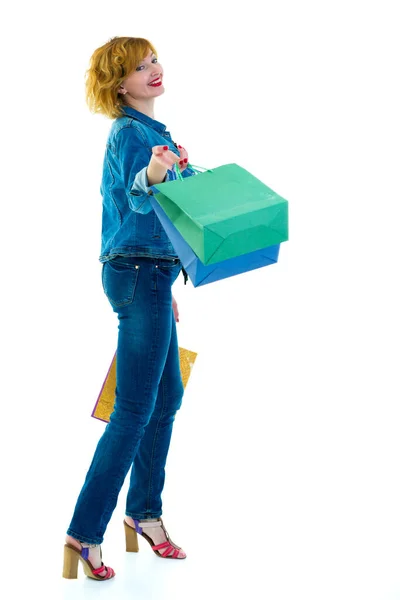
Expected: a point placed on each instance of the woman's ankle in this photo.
(73, 541)
(129, 521)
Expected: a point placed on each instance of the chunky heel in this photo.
(131, 539)
(71, 559)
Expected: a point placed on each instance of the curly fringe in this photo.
(109, 66)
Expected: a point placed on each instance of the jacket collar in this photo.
(132, 112)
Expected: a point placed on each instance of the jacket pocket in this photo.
(119, 282)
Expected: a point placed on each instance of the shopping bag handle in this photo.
(179, 174)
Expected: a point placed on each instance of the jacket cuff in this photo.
(141, 183)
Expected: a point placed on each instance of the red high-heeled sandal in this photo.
(71, 558)
(163, 550)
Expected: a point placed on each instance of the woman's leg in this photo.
(148, 469)
(139, 290)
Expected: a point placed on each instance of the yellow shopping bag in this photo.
(105, 402)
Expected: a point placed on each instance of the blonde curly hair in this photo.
(109, 66)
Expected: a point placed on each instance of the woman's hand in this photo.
(175, 309)
(164, 157)
(161, 160)
(184, 158)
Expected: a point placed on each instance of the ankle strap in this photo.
(84, 545)
(144, 524)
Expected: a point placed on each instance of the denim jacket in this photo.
(130, 226)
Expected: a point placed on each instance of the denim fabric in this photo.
(130, 226)
(149, 391)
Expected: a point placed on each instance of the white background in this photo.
(283, 476)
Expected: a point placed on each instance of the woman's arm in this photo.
(156, 173)
(134, 158)
(175, 309)
(140, 170)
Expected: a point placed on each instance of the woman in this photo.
(139, 267)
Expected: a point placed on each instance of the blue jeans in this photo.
(148, 393)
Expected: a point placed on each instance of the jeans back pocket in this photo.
(119, 282)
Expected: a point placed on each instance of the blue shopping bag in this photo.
(201, 274)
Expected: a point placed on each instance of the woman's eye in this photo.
(143, 65)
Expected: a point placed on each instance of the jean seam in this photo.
(150, 488)
(155, 435)
(142, 516)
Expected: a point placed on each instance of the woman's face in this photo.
(138, 85)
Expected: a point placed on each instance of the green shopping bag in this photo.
(224, 212)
